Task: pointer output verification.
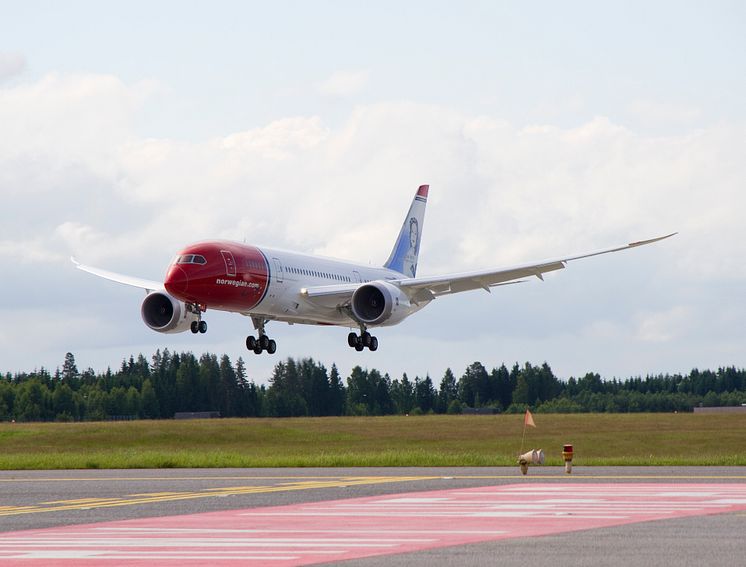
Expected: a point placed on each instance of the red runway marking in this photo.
(346, 529)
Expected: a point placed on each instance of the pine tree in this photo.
(149, 401)
(69, 369)
(337, 393)
(448, 391)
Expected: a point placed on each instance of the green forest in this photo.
(181, 382)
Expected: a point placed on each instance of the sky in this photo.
(128, 130)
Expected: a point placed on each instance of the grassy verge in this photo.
(599, 439)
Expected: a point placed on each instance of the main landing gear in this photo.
(263, 343)
(198, 326)
(364, 339)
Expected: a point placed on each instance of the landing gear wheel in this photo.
(365, 337)
(362, 341)
(194, 327)
(202, 327)
(263, 343)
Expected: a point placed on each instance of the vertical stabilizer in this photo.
(403, 257)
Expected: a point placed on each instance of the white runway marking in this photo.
(362, 527)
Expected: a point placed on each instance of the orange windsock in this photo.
(529, 419)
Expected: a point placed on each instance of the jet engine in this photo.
(164, 314)
(379, 302)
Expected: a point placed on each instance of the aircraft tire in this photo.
(359, 346)
(366, 337)
(202, 327)
(250, 342)
(263, 342)
(194, 327)
(373, 346)
(257, 349)
(352, 340)
(271, 347)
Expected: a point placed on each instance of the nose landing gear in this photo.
(198, 326)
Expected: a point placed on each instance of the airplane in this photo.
(268, 284)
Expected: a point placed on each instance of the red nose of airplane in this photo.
(176, 282)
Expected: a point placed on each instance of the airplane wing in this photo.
(330, 295)
(148, 285)
(428, 288)
(431, 287)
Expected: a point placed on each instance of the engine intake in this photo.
(377, 302)
(164, 314)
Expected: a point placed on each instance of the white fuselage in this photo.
(291, 273)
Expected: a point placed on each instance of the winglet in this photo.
(651, 240)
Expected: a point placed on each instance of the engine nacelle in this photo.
(164, 314)
(379, 302)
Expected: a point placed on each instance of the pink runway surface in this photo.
(320, 532)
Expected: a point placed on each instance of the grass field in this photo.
(599, 439)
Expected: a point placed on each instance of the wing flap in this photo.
(329, 295)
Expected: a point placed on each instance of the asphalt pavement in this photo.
(44, 499)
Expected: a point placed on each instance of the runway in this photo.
(439, 516)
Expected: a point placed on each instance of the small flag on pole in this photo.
(528, 419)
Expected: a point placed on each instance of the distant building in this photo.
(724, 409)
(196, 414)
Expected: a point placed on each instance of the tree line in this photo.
(181, 382)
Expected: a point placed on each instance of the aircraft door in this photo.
(230, 263)
(356, 277)
(279, 275)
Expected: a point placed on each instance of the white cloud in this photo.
(279, 139)
(658, 113)
(76, 178)
(664, 326)
(344, 83)
(11, 64)
(25, 252)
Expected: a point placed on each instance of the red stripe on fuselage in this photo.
(235, 276)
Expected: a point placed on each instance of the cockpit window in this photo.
(191, 259)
